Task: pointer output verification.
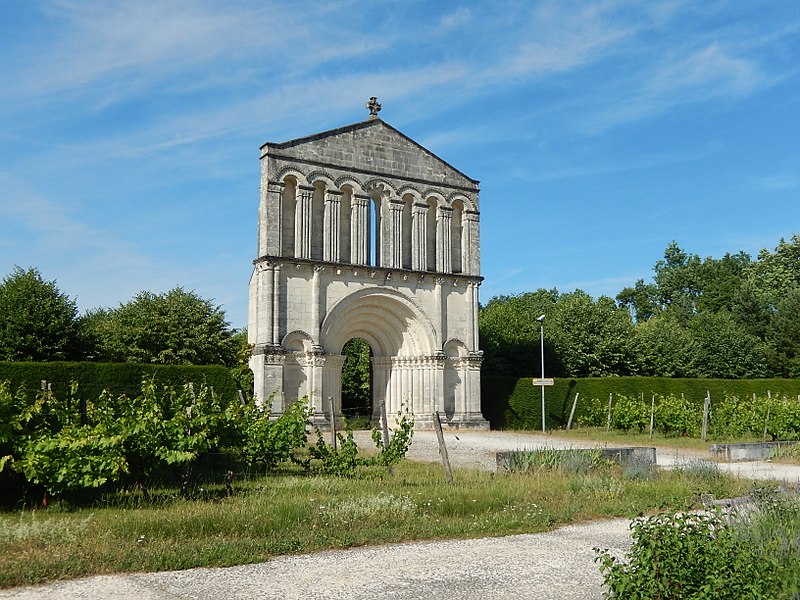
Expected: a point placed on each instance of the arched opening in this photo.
(357, 381)
(374, 232)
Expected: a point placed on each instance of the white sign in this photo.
(546, 381)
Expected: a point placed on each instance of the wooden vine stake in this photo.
(652, 415)
(608, 421)
(334, 441)
(572, 412)
(706, 407)
(437, 425)
(385, 432)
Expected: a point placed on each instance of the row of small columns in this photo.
(359, 230)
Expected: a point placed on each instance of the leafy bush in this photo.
(629, 412)
(119, 439)
(676, 416)
(514, 403)
(344, 460)
(690, 556)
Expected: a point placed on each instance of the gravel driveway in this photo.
(558, 564)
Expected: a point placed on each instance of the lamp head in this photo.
(540, 319)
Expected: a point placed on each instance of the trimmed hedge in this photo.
(512, 403)
(119, 378)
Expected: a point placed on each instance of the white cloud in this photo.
(457, 19)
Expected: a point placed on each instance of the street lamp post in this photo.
(541, 337)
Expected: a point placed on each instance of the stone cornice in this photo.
(377, 273)
(352, 169)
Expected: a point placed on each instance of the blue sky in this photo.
(600, 131)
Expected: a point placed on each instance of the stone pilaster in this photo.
(359, 229)
(440, 312)
(275, 336)
(330, 250)
(471, 245)
(315, 306)
(265, 273)
(419, 235)
(394, 259)
(270, 219)
(302, 224)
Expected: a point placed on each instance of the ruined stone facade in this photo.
(363, 233)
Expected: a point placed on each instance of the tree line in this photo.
(38, 322)
(729, 317)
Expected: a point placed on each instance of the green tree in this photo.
(776, 273)
(642, 300)
(724, 350)
(37, 321)
(356, 377)
(509, 334)
(667, 347)
(783, 335)
(177, 327)
(592, 338)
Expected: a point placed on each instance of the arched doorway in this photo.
(406, 371)
(357, 381)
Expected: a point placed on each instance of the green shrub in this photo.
(629, 412)
(690, 556)
(514, 403)
(119, 378)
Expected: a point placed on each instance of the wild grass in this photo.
(789, 454)
(285, 514)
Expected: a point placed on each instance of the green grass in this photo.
(270, 516)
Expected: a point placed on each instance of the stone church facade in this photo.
(363, 233)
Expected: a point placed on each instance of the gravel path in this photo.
(557, 564)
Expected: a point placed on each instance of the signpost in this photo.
(544, 381)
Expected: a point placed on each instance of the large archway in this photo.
(406, 370)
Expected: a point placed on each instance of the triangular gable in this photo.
(371, 146)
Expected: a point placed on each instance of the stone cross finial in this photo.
(373, 107)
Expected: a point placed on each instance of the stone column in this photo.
(264, 306)
(271, 387)
(394, 260)
(471, 264)
(359, 231)
(381, 371)
(302, 223)
(330, 250)
(419, 237)
(332, 384)
(275, 337)
(444, 218)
